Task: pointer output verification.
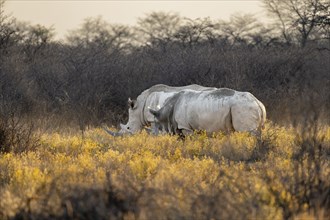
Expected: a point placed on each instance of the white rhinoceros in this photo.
(211, 110)
(139, 116)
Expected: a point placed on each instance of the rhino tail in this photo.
(263, 114)
(229, 121)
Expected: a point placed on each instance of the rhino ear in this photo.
(154, 112)
(131, 103)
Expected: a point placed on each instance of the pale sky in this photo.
(66, 15)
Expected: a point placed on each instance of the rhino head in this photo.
(134, 123)
(162, 120)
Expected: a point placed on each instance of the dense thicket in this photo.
(86, 78)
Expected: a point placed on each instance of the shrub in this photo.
(16, 135)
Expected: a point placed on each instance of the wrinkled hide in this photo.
(213, 111)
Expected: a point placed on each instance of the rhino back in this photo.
(221, 93)
(206, 110)
(166, 88)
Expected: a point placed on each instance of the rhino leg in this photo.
(256, 133)
(181, 134)
(229, 128)
(148, 130)
(244, 118)
(154, 128)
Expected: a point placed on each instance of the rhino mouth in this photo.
(124, 129)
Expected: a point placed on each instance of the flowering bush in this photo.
(148, 177)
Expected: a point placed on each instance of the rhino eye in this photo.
(128, 128)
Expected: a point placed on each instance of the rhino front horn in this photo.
(114, 134)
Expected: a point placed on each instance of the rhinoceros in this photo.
(139, 116)
(216, 110)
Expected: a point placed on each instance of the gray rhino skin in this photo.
(216, 110)
(138, 113)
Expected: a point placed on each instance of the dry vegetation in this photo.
(55, 162)
(149, 177)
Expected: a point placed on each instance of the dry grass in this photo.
(148, 177)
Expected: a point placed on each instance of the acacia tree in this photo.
(7, 33)
(195, 31)
(91, 59)
(96, 32)
(299, 17)
(11, 68)
(158, 27)
(246, 29)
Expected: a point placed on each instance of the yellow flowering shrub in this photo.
(238, 146)
(145, 176)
